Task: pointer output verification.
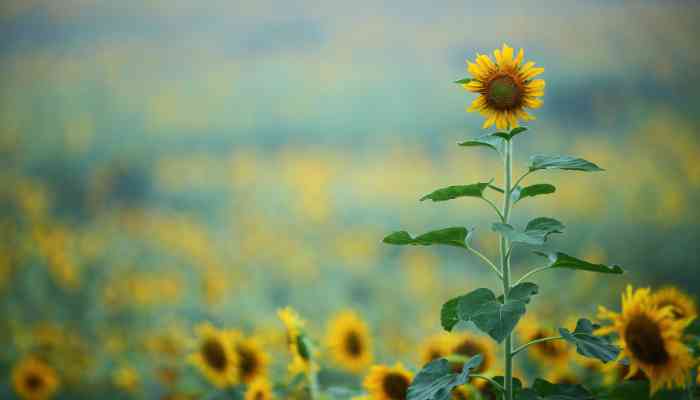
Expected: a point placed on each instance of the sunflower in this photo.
(259, 389)
(469, 345)
(216, 356)
(553, 351)
(34, 380)
(388, 383)
(349, 341)
(127, 379)
(682, 305)
(251, 360)
(505, 87)
(463, 393)
(434, 347)
(650, 338)
(298, 348)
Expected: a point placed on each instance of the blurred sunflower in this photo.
(650, 339)
(126, 379)
(434, 347)
(550, 352)
(469, 345)
(463, 393)
(616, 372)
(215, 357)
(298, 347)
(505, 87)
(259, 389)
(682, 305)
(349, 341)
(252, 361)
(388, 383)
(32, 379)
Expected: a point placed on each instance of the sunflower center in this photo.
(33, 382)
(548, 348)
(248, 362)
(643, 338)
(214, 354)
(395, 386)
(259, 396)
(503, 93)
(353, 344)
(469, 349)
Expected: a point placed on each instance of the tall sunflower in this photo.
(434, 347)
(682, 305)
(32, 379)
(298, 348)
(550, 352)
(650, 338)
(259, 389)
(505, 87)
(252, 361)
(215, 357)
(468, 345)
(349, 341)
(388, 383)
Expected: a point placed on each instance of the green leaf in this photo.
(588, 344)
(561, 260)
(454, 236)
(496, 393)
(491, 141)
(520, 193)
(502, 135)
(517, 131)
(561, 391)
(693, 328)
(639, 390)
(490, 314)
(463, 81)
(536, 232)
(562, 162)
(453, 192)
(436, 380)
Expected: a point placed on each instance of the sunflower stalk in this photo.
(505, 265)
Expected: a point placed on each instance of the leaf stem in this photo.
(500, 215)
(528, 344)
(485, 260)
(521, 178)
(491, 381)
(530, 273)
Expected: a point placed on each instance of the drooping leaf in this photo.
(516, 131)
(520, 193)
(536, 232)
(453, 192)
(561, 260)
(562, 162)
(561, 391)
(589, 345)
(436, 380)
(491, 141)
(463, 81)
(490, 314)
(453, 236)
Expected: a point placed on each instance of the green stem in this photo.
(505, 266)
(485, 260)
(530, 273)
(528, 344)
(491, 381)
(500, 215)
(521, 178)
(313, 384)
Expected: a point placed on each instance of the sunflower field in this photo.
(349, 201)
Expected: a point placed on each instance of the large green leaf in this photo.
(693, 328)
(490, 141)
(588, 344)
(560, 391)
(489, 313)
(453, 192)
(513, 132)
(561, 260)
(520, 193)
(536, 232)
(497, 394)
(436, 380)
(562, 162)
(639, 390)
(453, 236)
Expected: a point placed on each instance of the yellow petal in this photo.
(474, 86)
(497, 55)
(501, 121)
(535, 84)
(486, 62)
(531, 102)
(489, 121)
(531, 73)
(507, 53)
(519, 58)
(477, 104)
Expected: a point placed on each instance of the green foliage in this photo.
(453, 236)
(562, 162)
(536, 232)
(588, 344)
(561, 260)
(638, 390)
(490, 314)
(463, 81)
(491, 141)
(510, 135)
(453, 192)
(436, 380)
(543, 390)
(520, 193)
(498, 394)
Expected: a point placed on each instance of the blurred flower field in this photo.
(194, 198)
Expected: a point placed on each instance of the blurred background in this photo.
(165, 163)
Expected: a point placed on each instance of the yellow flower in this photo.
(650, 338)
(434, 347)
(505, 87)
(32, 379)
(349, 341)
(252, 361)
(468, 345)
(464, 393)
(215, 357)
(127, 379)
(682, 305)
(300, 351)
(550, 352)
(388, 383)
(259, 389)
